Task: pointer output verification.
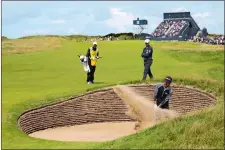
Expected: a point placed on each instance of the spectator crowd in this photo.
(217, 40)
(176, 28)
(169, 28)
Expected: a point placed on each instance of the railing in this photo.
(184, 29)
(178, 18)
(169, 29)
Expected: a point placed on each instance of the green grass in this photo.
(188, 132)
(42, 77)
(198, 56)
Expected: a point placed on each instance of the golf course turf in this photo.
(34, 79)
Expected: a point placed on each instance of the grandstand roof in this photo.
(176, 15)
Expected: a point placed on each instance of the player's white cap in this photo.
(147, 41)
(95, 43)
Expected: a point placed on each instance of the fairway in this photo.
(32, 79)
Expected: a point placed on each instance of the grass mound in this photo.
(33, 44)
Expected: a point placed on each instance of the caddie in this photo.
(92, 55)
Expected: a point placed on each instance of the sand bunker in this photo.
(88, 132)
(140, 109)
(109, 113)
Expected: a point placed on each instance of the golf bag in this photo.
(84, 62)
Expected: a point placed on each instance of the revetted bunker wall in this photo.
(97, 106)
(183, 100)
(105, 106)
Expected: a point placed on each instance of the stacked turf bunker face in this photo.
(102, 106)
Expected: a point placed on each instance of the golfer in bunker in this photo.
(93, 56)
(162, 93)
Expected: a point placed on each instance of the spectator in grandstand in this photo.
(174, 27)
(147, 56)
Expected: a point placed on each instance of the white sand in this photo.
(87, 132)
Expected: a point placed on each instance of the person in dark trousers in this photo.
(163, 93)
(92, 55)
(147, 56)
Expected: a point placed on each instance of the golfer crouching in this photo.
(162, 93)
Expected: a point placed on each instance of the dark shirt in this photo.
(147, 53)
(162, 93)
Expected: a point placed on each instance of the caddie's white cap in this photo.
(147, 41)
(95, 43)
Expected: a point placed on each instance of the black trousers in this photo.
(90, 75)
(164, 106)
(147, 69)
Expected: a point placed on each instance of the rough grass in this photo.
(190, 46)
(209, 57)
(34, 79)
(31, 44)
(198, 56)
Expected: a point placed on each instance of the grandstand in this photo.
(176, 26)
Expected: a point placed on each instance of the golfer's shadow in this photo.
(99, 82)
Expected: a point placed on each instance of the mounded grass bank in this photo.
(32, 44)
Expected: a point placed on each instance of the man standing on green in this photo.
(147, 57)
